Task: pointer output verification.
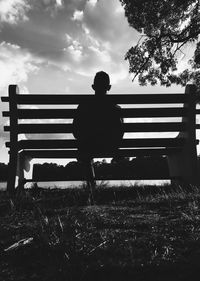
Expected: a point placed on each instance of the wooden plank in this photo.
(154, 127)
(72, 153)
(153, 112)
(46, 113)
(125, 143)
(6, 113)
(119, 99)
(125, 112)
(43, 128)
(5, 99)
(127, 127)
(153, 142)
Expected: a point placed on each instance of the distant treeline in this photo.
(3, 172)
(139, 167)
(136, 167)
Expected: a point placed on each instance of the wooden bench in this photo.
(181, 150)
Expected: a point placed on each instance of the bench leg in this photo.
(20, 173)
(90, 178)
(184, 165)
(12, 168)
(23, 164)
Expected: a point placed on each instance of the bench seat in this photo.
(47, 129)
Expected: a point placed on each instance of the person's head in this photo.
(101, 83)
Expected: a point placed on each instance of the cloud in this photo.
(103, 55)
(78, 15)
(92, 3)
(103, 19)
(59, 3)
(104, 43)
(15, 64)
(119, 9)
(52, 2)
(119, 75)
(55, 52)
(82, 36)
(12, 11)
(75, 51)
(51, 6)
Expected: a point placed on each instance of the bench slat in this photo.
(127, 127)
(70, 143)
(154, 127)
(5, 99)
(119, 99)
(125, 112)
(122, 152)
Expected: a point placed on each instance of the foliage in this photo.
(3, 172)
(138, 167)
(166, 28)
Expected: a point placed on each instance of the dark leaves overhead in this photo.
(165, 27)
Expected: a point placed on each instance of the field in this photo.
(134, 233)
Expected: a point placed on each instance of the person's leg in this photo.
(90, 178)
(89, 175)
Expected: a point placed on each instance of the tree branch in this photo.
(140, 69)
(182, 40)
(178, 48)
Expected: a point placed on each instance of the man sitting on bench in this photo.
(97, 126)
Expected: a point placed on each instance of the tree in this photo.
(3, 172)
(166, 28)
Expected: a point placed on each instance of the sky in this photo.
(57, 46)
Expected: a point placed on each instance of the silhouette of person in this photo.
(97, 124)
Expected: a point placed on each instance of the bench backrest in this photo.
(29, 115)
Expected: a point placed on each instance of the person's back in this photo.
(97, 125)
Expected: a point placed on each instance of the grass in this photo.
(131, 233)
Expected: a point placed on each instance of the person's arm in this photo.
(120, 121)
(76, 123)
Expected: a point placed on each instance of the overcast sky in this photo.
(53, 46)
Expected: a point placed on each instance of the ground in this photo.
(134, 233)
